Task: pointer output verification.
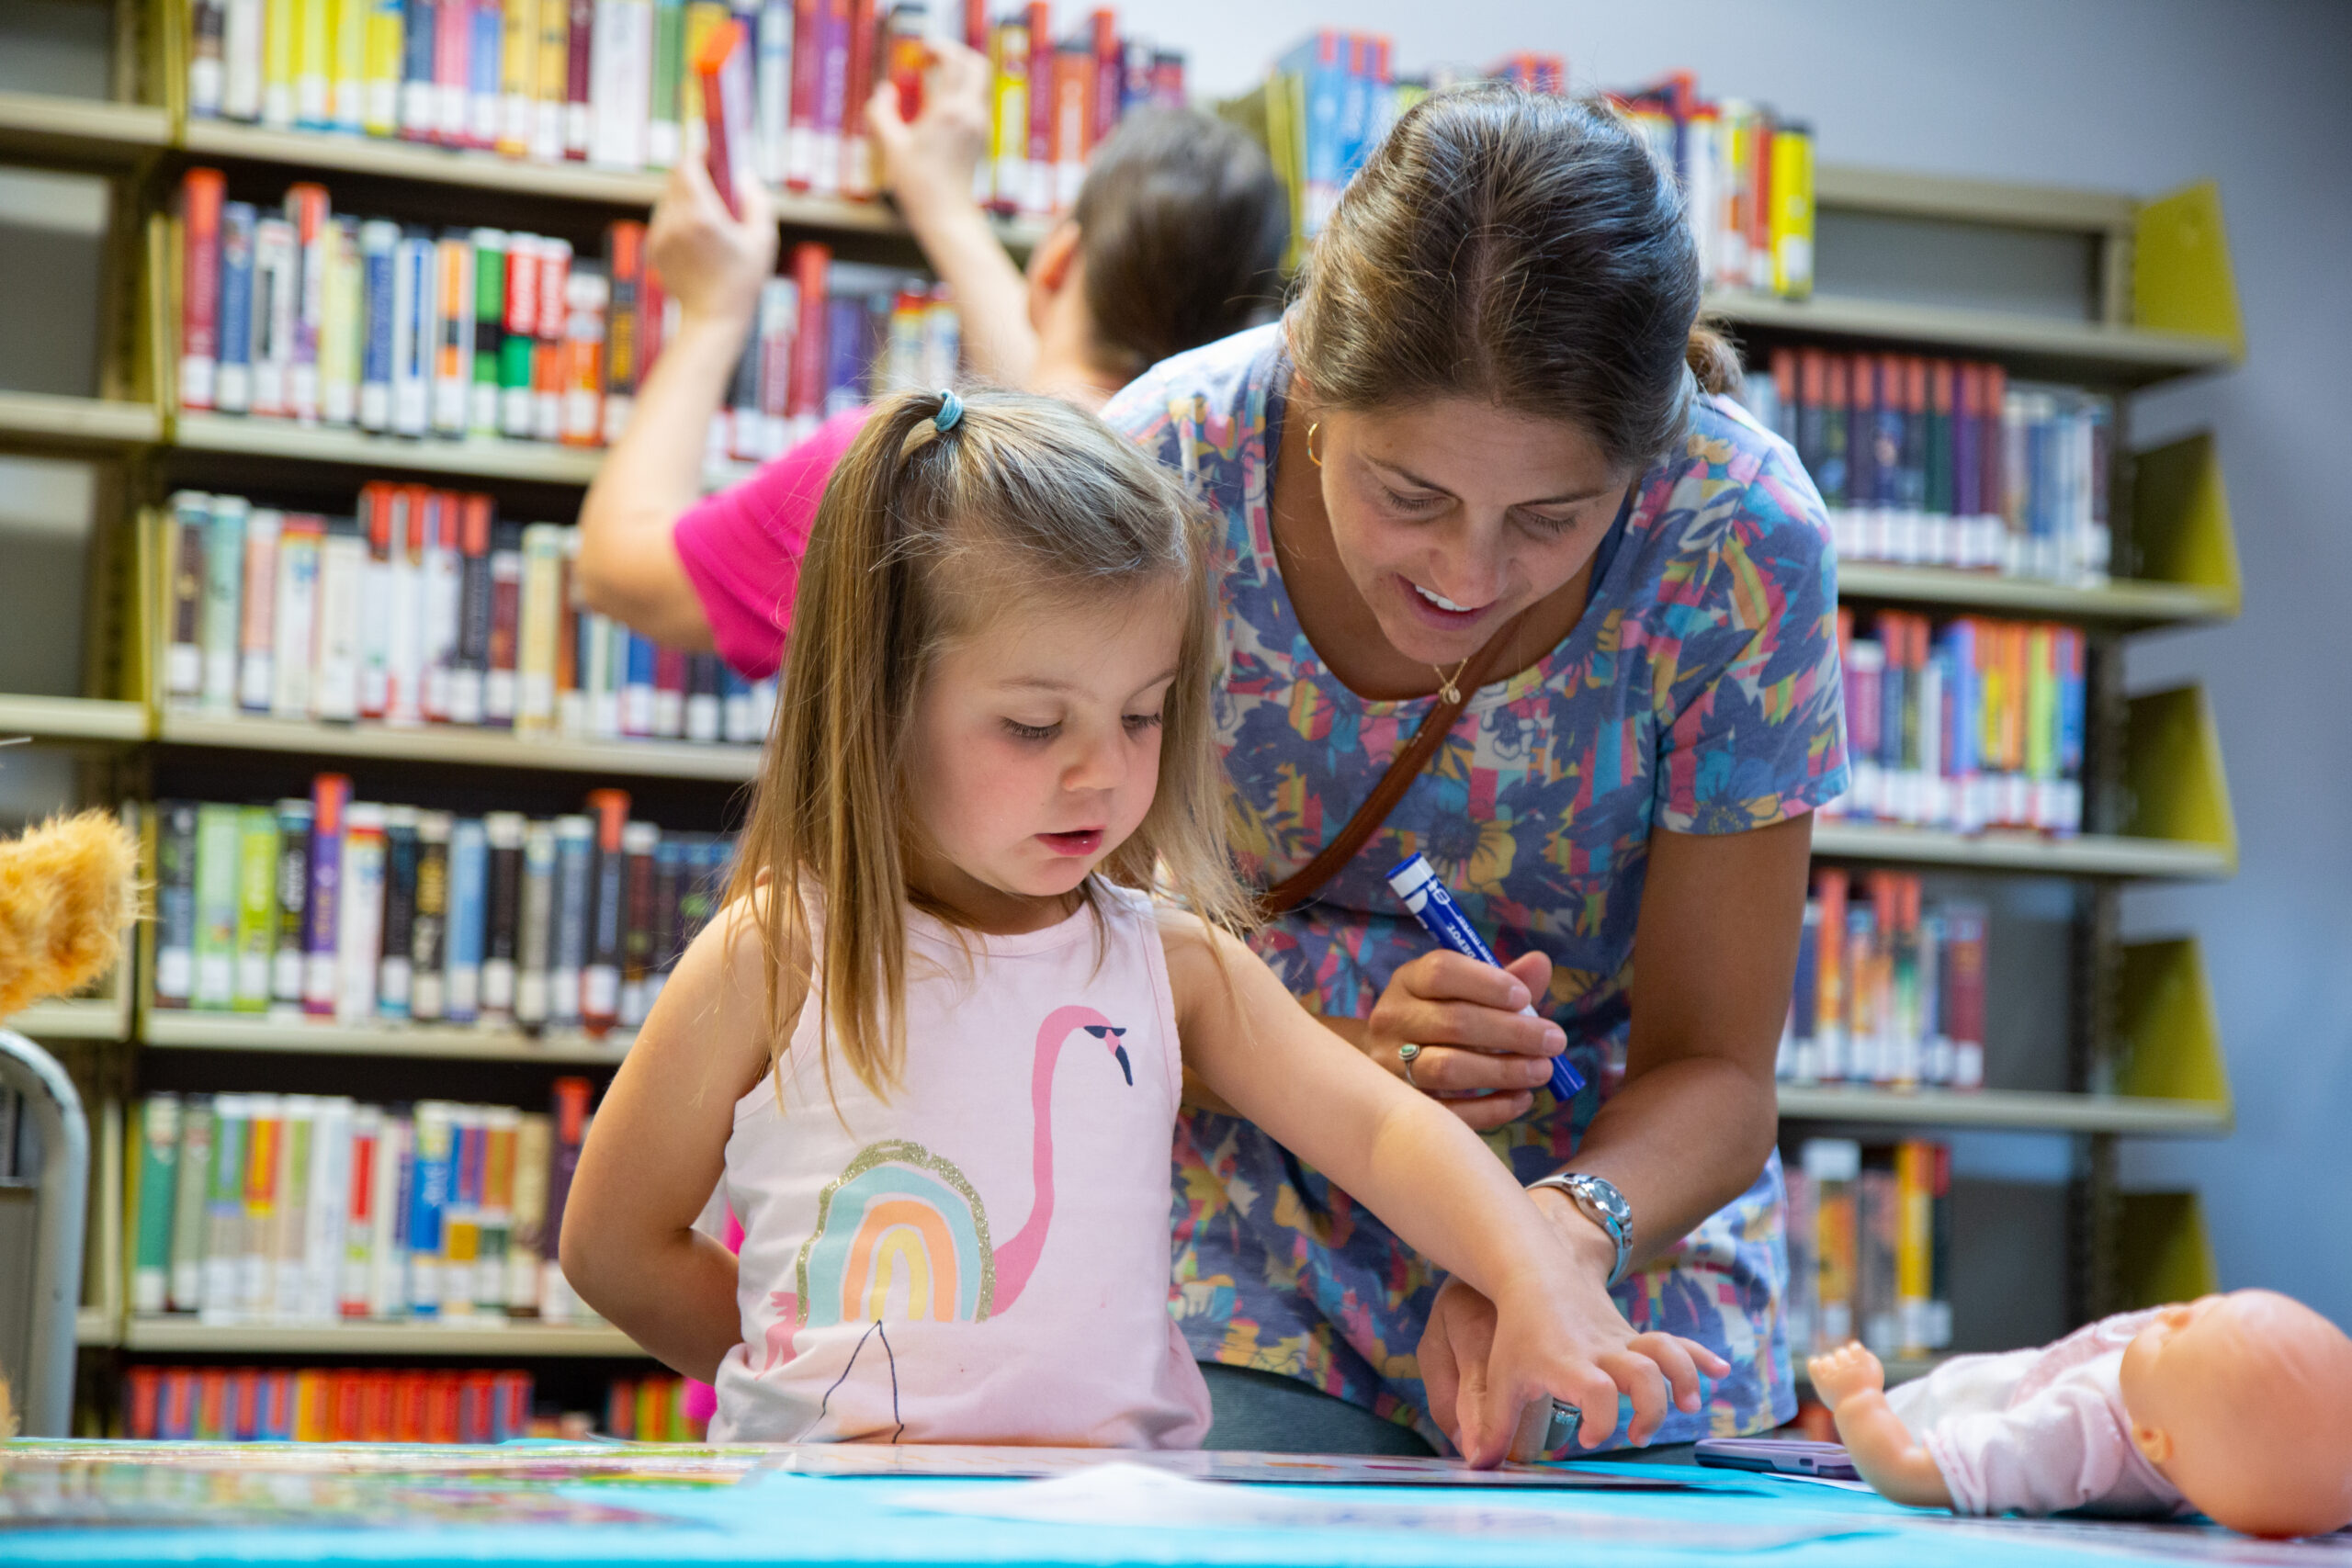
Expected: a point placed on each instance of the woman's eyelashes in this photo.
(1134, 723)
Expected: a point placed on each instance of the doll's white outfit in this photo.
(2038, 1431)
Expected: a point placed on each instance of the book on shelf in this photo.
(423, 608)
(1890, 988)
(355, 913)
(296, 1209)
(1978, 723)
(378, 1405)
(393, 329)
(1937, 462)
(615, 83)
(1870, 1249)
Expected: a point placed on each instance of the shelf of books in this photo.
(2043, 345)
(464, 746)
(477, 456)
(2012, 1109)
(465, 1334)
(83, 130)
(72, 718)
(44, 418)
(167, 1029)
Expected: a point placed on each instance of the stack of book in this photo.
(1870, 1247)
(302, 315)
(1746, 174)
(422, 608)
(1888, 991)
(355, 913)
(614, 83)
(1937, 462)
(650, 1410)
(333, 1404)
(311, 1209)
(1977, 724)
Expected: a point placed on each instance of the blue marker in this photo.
(1416, 883)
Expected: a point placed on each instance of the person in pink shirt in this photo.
(1175, 241)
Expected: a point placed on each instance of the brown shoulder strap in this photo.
(1308, 880)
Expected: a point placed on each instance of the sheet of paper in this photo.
(1126, 1494)
(976, 1462)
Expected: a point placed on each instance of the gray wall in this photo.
(2140, 96)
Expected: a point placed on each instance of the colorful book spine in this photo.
(202, 192)
(218, 851)
(329, 799)
(256, 929)
(153, 1200)
(468, 918)
(429, 933)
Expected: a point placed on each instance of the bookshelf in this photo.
(714, 762)
(2144, 1059)
(174, 1029)
(450, 1337)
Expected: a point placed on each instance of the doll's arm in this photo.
(1853, 1384)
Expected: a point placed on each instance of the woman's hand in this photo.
(930, 161)
(1475, 1041)
(1491, 1373)
(712, 263)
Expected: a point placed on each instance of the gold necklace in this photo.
(1445, 682)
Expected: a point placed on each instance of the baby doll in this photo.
(2238, 1407)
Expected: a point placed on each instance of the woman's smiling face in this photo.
(1452, 516)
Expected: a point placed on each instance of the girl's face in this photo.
(1452, 516)
(1036, 752)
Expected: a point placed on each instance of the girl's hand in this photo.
(929, 163)
(1464, 1016)
(1491, 1374)
(711, 262)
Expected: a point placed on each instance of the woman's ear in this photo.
(1050, 264)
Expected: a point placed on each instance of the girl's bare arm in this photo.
(657, 1149)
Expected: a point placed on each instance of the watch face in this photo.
(1605, 1197)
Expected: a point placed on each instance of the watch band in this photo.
(1599, 1200)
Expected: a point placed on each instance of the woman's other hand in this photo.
(711, 262)
(1480, 1056)
(931, 159)
(1491, 1374)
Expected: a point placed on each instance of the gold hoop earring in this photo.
(1310, 444)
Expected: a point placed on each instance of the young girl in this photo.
(933, 1051)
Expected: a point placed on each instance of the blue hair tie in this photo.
(951, 411)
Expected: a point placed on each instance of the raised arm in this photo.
(1432, 1182)
(927, 165)
(713, 264)
(656, 1150)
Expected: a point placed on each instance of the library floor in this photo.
(579, 1504)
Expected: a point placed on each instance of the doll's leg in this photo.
(1853, 1384)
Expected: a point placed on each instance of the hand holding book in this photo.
(711, 260)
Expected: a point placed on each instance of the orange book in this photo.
(1073, 119)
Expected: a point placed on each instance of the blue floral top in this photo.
(1699, 693)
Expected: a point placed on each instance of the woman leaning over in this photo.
(1486, 450)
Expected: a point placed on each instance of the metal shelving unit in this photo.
(2086, 854)
(2006, 1110)
(173, 1029)
(468, 747)
(479, 1336)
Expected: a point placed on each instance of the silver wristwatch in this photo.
(1601, 1203)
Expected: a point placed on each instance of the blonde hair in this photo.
(919, 534)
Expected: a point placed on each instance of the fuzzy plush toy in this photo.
(68, 888)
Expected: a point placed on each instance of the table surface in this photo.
(583, 1505)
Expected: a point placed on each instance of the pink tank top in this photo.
(985, 1256)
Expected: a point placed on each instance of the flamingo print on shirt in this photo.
(902, 1234)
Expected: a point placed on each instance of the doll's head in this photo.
(2244, 1403)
